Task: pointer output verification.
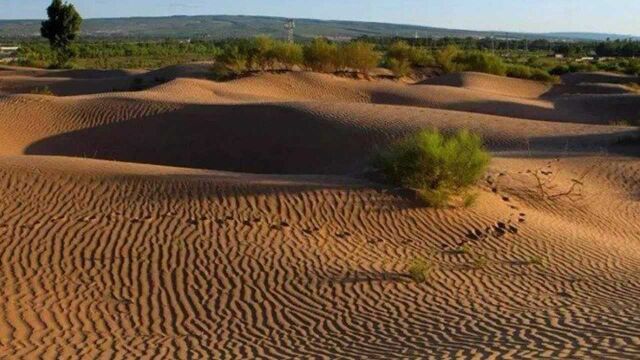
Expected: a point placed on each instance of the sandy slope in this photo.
(117, 259)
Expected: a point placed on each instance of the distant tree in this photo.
(61, 29)
(359, 56)
(321, 55)
(398, 58)
(285, 54)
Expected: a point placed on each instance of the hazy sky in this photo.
(612, 16)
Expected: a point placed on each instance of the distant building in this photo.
(585, 58)
(9, 49)
(8, 53)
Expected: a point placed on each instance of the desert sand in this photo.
(202, 219)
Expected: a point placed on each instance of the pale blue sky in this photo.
(611, 16)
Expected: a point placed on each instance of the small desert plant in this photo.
(536, 260)
(463, 250)
(435, 165)
(42, 91)
(420, 269)
(479, 261)
(620, 122)
(321, 55)
(469, 199)
(359, 56)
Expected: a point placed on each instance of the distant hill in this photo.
(590, 36)
(226, 26)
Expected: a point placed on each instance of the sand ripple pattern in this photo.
(111, 260)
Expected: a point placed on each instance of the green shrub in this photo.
(234, 59)
(481, 62)
(260, 51)
(519, 71)
(398, 58)
(402, 57)
(560, 70)
(581, 67)
(632, 67)
(436, 166)
(470, 199)
(445, 58)
(359, 56)
(541, 75)
(420, 269)
(321, 55)
(421, 57)
(399, 68)
(526, 72)
(285, 54)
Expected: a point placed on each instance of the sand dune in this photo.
(143, 260)
(492, 83)
(320, 87)
(235, 221)
(296, 137)
(598, 77)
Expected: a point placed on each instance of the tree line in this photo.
(401, 56)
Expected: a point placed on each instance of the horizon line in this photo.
(358, 21)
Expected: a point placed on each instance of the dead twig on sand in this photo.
(545, 181)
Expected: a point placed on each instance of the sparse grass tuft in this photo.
(479, 262)
(463, 250)
(420, 269)
(536, 260)
(470, 199)
(435, 165)
(623, 122)
(42, 91)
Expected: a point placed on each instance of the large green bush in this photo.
(445, 58)
(481, 62)
(359, 56)
(401, 58)
(436, 166)
(259, 52)
(285, 54)
(527, 72)
(398, 59)
(234, 58)
(321, 55)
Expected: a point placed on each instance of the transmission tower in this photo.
(289, 26)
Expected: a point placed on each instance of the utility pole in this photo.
(289, 26)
